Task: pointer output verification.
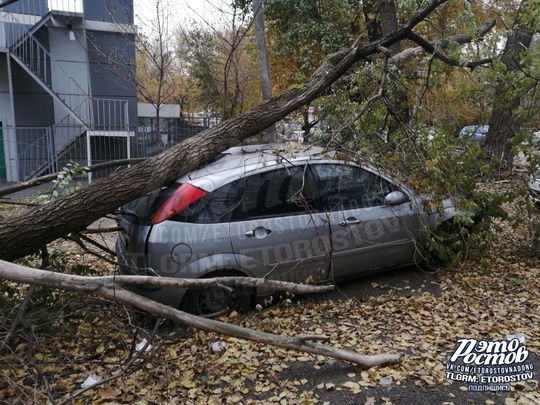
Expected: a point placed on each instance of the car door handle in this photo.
(258, 233)
(350, 221)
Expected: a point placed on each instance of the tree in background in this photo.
(157, 76)
(262, 58)
(300, 34)
(421, 89)
(155, 70)
(513, 82)
(380, 19)
(220, 65)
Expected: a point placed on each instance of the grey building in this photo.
(65, 84)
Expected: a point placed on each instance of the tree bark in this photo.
(25, 234)
(381, 19)
(262, 57)
(113, 291)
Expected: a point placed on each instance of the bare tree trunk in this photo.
(389, 22)
(27, 233)
(381, 19)
(262, 57)
(503, 122)
(112, 291)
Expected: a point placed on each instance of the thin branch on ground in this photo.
(114, 291)
(19, 317)
(101, 230)
(77, 239)
(139, 353)
(96, 244)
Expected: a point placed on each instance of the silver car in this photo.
(475, 133)
(533, 185)
(298, 214)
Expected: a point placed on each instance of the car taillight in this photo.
(183, 197)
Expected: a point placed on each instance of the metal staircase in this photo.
(37, 61)
(41, 150)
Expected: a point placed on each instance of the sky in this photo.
(183, 11)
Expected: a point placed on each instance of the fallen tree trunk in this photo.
(105, 287)
(27, 233)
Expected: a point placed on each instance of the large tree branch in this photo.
(400, 58)
(436, 48)
(79, 209)
(107, 288)
(93, 284)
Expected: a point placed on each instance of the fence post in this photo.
(3, 171)
(51, 149)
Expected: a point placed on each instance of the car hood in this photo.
(440, 211)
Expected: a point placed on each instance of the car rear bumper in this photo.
(128, 266)
(168, 296)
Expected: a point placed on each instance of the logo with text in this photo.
(490, 365)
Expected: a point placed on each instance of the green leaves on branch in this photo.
(63, 184)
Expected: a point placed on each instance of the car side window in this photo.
(345, 186)
(278, 192)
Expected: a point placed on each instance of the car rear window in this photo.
(216, 206)
(142, 209)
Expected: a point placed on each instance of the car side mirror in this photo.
(396, 198)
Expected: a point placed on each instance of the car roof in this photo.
(234, 162)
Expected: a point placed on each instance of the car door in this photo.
(366, 234)
(276, 231)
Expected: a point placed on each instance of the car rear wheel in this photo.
(217, 300)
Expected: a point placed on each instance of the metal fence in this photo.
(27, 153)
(94, 131)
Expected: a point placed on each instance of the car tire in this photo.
(217, 300)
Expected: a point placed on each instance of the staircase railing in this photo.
(110, 114)
(53, 77)
(40, 149)
(66, 139)
(66, 6)
(42, 7)
(30, 13)
(37, 60)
